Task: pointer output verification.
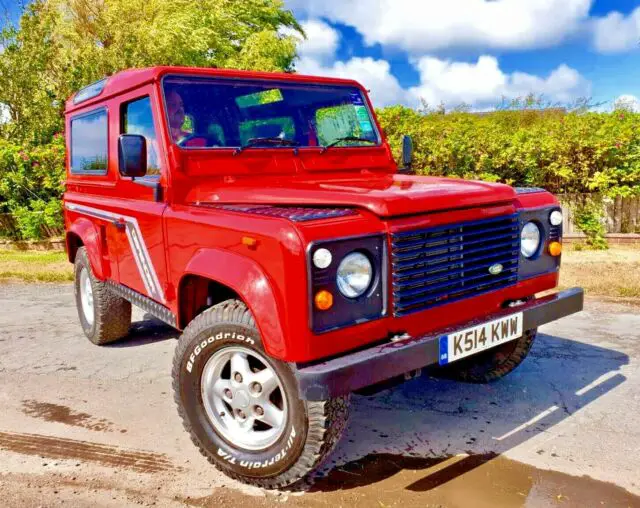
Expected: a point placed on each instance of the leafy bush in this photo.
(588, 216)
(575, 152)
(564, 152)
(31, 187)
(58, 46)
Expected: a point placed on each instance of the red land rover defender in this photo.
(263, 215)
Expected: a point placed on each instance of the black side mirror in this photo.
(407, 154)
(132, 155)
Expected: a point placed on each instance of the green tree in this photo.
(62, 45)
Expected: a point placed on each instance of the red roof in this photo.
(133, 78)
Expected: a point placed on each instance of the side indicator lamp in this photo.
(249, 241)
(555, 248)
(323, 300)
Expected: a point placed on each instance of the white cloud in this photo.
(5, 114)
(627, 102)
(615, 32)
(483, 84)
(422, 26)
(375, 75)
(321, 42)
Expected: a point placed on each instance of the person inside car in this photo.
(177, 115)
(175, 111)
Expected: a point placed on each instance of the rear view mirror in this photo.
(132, 155)
(407, 154)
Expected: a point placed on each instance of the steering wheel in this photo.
(209, 140)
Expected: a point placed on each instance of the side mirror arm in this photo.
(153, 184)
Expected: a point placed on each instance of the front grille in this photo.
(448, 263)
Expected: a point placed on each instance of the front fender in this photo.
(89, 235)
(247, 278)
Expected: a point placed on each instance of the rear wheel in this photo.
(492, 364)
(242, 408)
(105, 317)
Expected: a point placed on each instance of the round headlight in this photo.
(322, 258)
(529, 239)
(354, 275)
(555, 218)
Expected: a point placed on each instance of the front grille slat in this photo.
(440, 273)
(440, 248)
(401, 265)
(451, 283)
(479, 224)
(451, 262)
(407, 244)
(437, 298)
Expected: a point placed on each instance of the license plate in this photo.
(478, 338)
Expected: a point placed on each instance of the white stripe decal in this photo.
(136, 242)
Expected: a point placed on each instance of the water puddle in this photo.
(471, 480)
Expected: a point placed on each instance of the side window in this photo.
(89, 143)
(137, 118)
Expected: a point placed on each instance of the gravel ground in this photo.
(89, 426)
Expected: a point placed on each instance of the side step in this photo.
(145, 303)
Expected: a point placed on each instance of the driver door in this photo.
(141, 260)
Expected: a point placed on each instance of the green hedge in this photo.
(31, 187)
(579, 152)
(575, 152)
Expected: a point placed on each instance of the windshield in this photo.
(215, 112)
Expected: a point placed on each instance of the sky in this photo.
(475, 52)
(472, 52)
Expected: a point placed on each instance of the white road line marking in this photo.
(533, 420)
(598, 381)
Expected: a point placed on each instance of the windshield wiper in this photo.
(346, 138)
(268, 141)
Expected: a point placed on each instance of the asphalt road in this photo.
(82, 425)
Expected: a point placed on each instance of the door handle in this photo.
(119, 224)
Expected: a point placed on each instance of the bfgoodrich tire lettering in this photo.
(111, 313)
(492, 364)
(311, 429)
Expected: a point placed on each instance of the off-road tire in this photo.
(317, 426)
(492, 364)
(112, 313)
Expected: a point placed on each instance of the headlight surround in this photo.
(354, 275)
(530, 238)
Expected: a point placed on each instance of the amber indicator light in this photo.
(555, 248)
(323, 300)
(250, 242)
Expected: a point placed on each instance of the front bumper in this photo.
(367, 367)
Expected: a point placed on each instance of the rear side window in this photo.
(89, 142)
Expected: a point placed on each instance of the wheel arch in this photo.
(84, 233)
(218, 275)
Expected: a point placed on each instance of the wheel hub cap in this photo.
(86, 296)
(242, 399)
(246, 417)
